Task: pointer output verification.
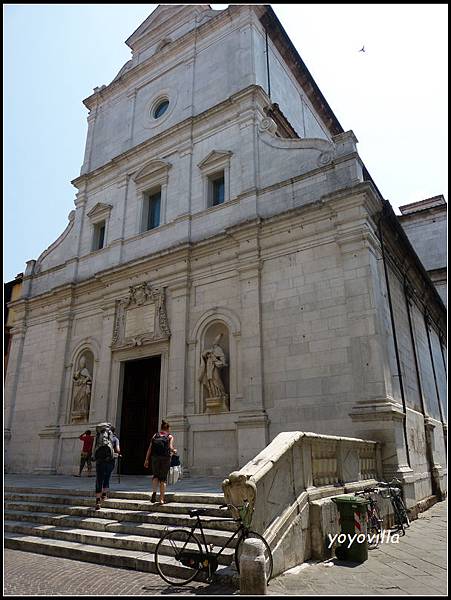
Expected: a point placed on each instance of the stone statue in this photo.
(82, 389)
(212, 360)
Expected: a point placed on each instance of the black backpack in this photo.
(103, 449)
(160, 445)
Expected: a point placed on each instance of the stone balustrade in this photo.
(293, 470)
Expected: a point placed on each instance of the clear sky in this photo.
(393, 96)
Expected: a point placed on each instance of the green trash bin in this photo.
(353, 521)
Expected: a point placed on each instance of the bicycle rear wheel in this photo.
(268, 553)
(178, 557)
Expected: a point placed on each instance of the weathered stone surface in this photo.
(288, 268)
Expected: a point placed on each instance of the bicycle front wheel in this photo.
(399, 517)
(403, 511)
(178, 557)
(374, 528)
(268, 553)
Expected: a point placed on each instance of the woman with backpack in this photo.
(160, 449)
(105, 451)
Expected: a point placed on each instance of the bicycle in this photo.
(180, 557)
(374, 521)
(394, 491)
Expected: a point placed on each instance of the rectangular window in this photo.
(99, 236)
(153, 210)
(216, 189)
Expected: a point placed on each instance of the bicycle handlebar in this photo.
(393, 482)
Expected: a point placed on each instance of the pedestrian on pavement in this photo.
(160, 449)
(86, 451)
(106, 450)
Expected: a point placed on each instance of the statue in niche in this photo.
(82, 391)
(212, 361)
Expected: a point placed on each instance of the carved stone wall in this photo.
(140, 317)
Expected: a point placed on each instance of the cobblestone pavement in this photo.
(29, 574)
(417, 565)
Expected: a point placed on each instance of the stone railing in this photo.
(294, 469)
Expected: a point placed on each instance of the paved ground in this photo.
(415, 566)
(28, 574)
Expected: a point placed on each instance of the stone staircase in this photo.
(123, 533)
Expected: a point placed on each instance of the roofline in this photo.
(270, 18)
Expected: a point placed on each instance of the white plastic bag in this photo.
(175, 473)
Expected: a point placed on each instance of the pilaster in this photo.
(252, 435)
(50, 434)
(180, 429)
(103, 406)
(18, 333)
(89, 141)
(179, 294)
(437, 471)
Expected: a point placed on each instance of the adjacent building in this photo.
(231, 266)
(425, 224)
(11, 292)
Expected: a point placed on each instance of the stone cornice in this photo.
(176, 48)
(174, 133)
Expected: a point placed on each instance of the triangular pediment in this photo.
(164, 20)
(151, 169)
(99, 210)
(215, 156)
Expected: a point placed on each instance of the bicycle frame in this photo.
(198, 524)
(205, 558)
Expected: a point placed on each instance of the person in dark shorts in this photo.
(160, 449)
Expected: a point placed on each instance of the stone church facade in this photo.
(230, 265)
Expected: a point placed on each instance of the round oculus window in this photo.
(160, 108)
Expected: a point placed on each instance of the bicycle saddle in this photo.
(197, 511)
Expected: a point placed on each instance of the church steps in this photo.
(187, 497)
(62, 523)
(96, 538)
(120, 503)
(166, 517)
(120, 558)
(99, 524)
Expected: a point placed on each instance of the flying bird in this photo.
(362, 49)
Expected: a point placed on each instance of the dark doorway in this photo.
(139, 419)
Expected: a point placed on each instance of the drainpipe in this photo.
(395, 340)
(267, 63)
(435, 381)
(429, 454)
